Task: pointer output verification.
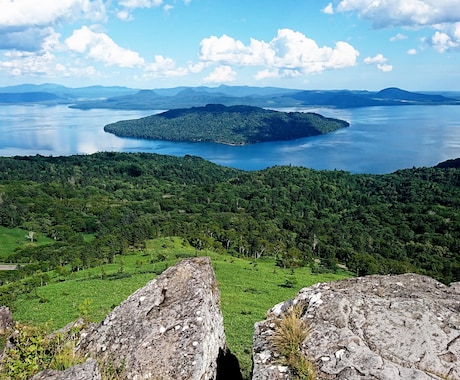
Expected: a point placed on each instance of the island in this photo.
(233, 125)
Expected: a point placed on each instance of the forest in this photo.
(235, 125)
(95, 207)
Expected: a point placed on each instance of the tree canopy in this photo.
(407, 221)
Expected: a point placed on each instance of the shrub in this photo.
(32, 351)
(290, 332)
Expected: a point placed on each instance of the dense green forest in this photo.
(236, 125)
(407, 221)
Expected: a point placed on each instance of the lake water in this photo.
(379, 140)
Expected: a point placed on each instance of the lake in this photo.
(379, 139)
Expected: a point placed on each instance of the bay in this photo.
(379, 139)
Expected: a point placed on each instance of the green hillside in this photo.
(116, 218)
(236, 125)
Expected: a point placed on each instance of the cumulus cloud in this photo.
(221, 74)
(288, 53)
(21, 13)
(30, 64)
(102, 48)
(163, 67)
(329, 9)
(131, 4)
(387, 13)
(385, 67)
(380, 62)
(447, 38)
(443, 42)
(412, 51)
(398, 37)
(379, 58)
(25, 25)
(440, 15)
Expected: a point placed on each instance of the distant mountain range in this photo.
(184, 97)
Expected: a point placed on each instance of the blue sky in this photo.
(305, 44)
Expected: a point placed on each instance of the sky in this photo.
(301, 44)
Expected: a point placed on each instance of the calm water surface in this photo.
(379, 140)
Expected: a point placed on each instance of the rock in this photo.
(86, 371)
(170, 329)
(6, 320)
(375, 327)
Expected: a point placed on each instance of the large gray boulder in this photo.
(86, 371)
(170, 329)
(375, 327)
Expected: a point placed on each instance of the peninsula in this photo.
(234, 125)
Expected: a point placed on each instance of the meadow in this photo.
(248, 288)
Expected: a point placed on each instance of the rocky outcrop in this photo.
(86, 371)
(6, 320)
(170, 329)
(376, 327)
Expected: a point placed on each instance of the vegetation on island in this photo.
(236, 125)
(77, 226)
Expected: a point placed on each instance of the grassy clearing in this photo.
(12, 238)
(248, 289)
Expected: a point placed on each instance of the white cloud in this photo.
(443, 42)
(379, 58)
(163, 67)
(26, 25)
(441, 15)
(267, 74)
(168, 7)
(386, 13)
(329, 9)
(380, 62)
(131, 4)
(196, 68)
(398, 37)
(447, 38)
(124, 15)
(290, 52)
(102, 48)
(28, 64)
(26, 13)
(221, 74)
(412, 51)
(384, 67)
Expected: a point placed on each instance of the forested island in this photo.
(235, 125)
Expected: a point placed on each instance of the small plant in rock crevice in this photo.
(290, 332)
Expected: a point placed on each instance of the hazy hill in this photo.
(228, 125)
(29, 97)
(116, 97)
(387, 97)
(66, 93)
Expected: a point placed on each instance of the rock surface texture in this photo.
(375, 327)
(6, 320)
(86, 371)
(170, 329)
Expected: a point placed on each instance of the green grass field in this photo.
(248, 289)
(12, 238)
